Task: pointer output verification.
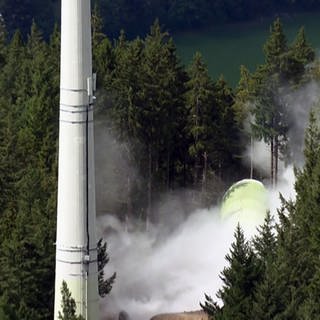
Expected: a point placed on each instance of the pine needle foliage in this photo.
(68, 305)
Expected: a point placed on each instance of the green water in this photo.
(224, 49)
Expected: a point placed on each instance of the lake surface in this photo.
(225, 48)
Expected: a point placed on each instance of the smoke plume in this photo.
(169, 268)
(170, 272)
(299, 103)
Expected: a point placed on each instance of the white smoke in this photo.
(285, 187)
(157, 274)
(258, 152)
(299, 103)
(113, 166)
(171, 267)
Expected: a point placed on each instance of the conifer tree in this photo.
(102, 49)
(303, 51)
(310, 309)
(105, 285)
(3, 41)
(271, 111)
(240, 279)
(121, 103)
(157, 108)
(175, 118)
(265, 242)
(275, 48)
(27, 254)
(300, 54)
(10, 126)
(305, 219)
(210, 307)
(242, 107)
(201, 114)
(7, 311)
(287, 290)
(243, 97)
(266, 296)
(124, 84)
(68, 305)
(226, 148)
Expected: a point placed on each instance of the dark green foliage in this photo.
(19, 14)
(269, 89)
(28, 175)
(210, 307)
(103, 55)
(68, 305)
(202, 115)
(243, 97)
(105, 285)
(239, 278)
(270, 110)
(227, 132)
(275, 47)
(286, 255)
(6, 311)
(211, 128)
(265, 242)
(267, 295)
(296, 263)
(178, 130)
(146, 88)
(299, 56)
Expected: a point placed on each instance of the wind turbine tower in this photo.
(76, 244)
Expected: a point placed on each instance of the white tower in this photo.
(76, 251)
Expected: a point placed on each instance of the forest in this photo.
(135, 16)
(180, 130)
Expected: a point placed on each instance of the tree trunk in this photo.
(168, 168)
(272, 162)
(204, 176)
(251, 157)
(148, 214)
(197, 160)
(276, 160)
(129, 204)
(184, 171)
(195, 174)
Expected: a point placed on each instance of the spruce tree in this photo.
(201, 114)
(275, 48)
(68, 305)
(160, 80)
(265, 242)
(271, 121)
(240, 279)
(243, 97)
(266, 296)
(7, 312)
(300, 55)
(27, 254)
(226, 146)
(105, 285)
(270, 109)
(242, 107)
(287, 290)
(305, 219)
(102, 49)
